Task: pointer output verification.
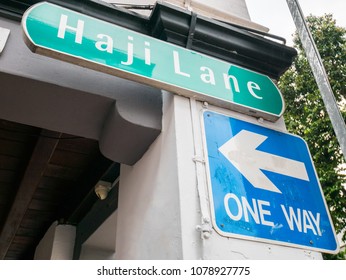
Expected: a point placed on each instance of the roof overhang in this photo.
(236, 44)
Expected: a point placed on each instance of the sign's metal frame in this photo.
(210, 189)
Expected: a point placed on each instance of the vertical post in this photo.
(319, 72)
(57, 243)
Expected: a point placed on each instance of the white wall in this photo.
(151, 224)
(57, 244)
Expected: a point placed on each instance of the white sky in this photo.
(275, 14)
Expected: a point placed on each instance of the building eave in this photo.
(234, 44)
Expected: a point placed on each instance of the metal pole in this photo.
(319, 72)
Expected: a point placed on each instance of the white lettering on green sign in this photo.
(74, 37)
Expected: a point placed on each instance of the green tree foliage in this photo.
(306, 114)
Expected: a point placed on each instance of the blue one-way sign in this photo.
(264, 187)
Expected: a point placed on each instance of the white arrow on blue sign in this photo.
(264, 187)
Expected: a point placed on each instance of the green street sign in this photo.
(71, 36)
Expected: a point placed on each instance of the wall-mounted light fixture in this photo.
(102, 188)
